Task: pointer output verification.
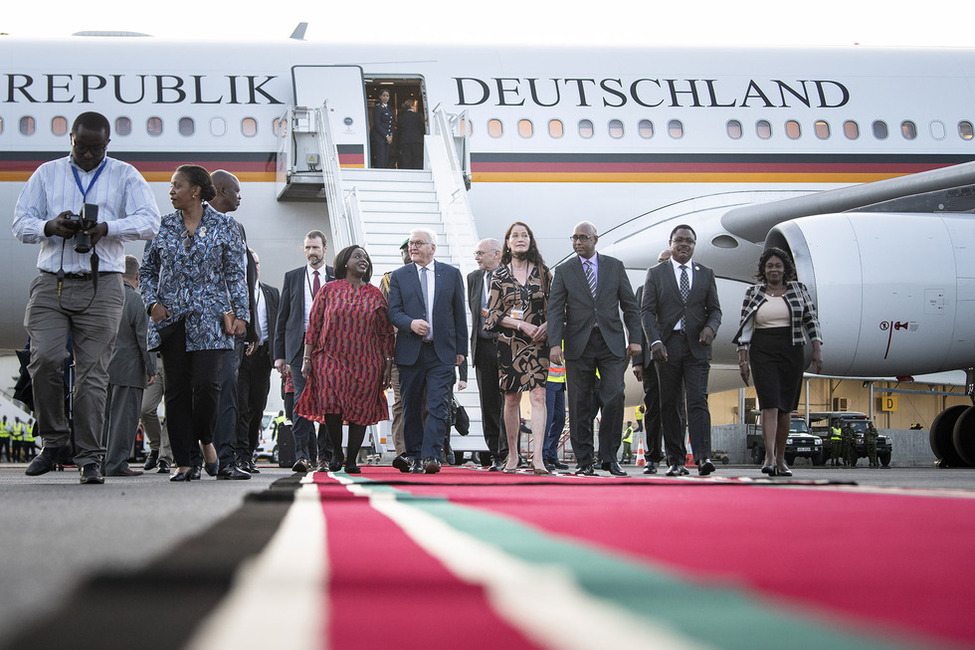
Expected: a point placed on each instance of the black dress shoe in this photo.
(195, 473)
(431, 465)
(164, 467)
(151, 461)
(705, 467)
(651, 468)
(302, 466)
(212, 468)
(352, 468)
(587, 470)
(495, 467)
(557, 464)
(402, 463)
(677, 470)
(252, 467)
(613, 468)
(90, 475)
(44, 462)
(182, 477)
(416, 466)
(335, 466)
(128, 471)
(232, 473)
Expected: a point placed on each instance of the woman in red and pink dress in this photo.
(348, 356)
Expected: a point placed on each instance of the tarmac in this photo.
(55, 533)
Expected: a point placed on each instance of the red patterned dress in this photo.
(351, 337)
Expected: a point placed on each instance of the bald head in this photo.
(228, 191)
(488, 254)
(664, 255)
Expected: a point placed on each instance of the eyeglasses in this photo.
(580, 238)
(417, 244)
(682, 240)
(82, 149)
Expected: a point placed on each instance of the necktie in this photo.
(590, 278)
(685, 288)
(315, 286)
(426, 302)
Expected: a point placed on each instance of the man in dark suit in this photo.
(254, 376)
(129, 371)
(484, 349)
(681, 314)
(588, 292)
(409, 134)
(297, 294)
(426, 305)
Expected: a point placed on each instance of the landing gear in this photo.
(952, 436)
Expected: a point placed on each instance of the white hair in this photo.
(429, 234)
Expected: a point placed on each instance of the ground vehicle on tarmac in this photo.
(799, 444)
(820, 422)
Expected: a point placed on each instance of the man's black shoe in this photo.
(164, 467)
(151, 461)
(44, 462)
(677, 470)
(232, 473)
(651, 468)
(91, 476)
(431, 465)
(587, 470)
(416, 467)
(613, 468)
(402, 463)
(705, 467)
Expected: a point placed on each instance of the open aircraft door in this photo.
(345, 91)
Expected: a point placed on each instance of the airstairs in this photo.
(377, 208)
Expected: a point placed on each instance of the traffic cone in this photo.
(640, 458)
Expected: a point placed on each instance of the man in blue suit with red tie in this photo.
(427, 306)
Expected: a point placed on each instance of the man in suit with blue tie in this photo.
(681, 315)
(427, 306)
(299, 290)
(588, 293)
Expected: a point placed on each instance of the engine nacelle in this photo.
(896, 292)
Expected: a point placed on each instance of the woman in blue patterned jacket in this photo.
(195, 288)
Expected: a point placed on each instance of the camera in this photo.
(86, 221)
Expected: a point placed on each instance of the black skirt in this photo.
(776, 368)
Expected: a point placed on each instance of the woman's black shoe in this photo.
(352, 469)
(182, 477)
(195, 473)
(212, 468)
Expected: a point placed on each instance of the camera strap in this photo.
(93, 264)
(77, 179)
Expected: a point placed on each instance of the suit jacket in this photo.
(289, 329)
(131, 362)
(410, 128)
(572, 310)
(475, 289)
(662, 306)
(449, 319)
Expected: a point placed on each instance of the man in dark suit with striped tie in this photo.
(588, 293)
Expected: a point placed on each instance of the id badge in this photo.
(484, 313)
(518, 314)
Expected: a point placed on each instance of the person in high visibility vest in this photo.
(627, 444)
(30, 451)
(641, 411)
(5, 439)
(835, 443)
(554, 416)
(17, 440)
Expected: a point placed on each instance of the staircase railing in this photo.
(345, 230)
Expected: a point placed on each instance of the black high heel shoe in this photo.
(769, 469)
(783, 472)
(182, 477)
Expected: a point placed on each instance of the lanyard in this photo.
(77, 179)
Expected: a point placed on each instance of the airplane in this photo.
(857, 160)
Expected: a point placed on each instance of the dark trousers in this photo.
(225, 433)
(491, 399)
(580, 376)
(253, 384)
(306, 444)
(380, 153)
(425, 383)
(651, 399)
(411, 157)
(554, 418)
(683, 368)
(192, 393)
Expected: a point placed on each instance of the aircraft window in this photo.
(763, 129)
(279, 126)
(908, 130)
(675, 129)
(218, 126)
(27, 125)
(646, 129)
(525, 128)
(1, 125)
(965, 130)
(938, 130)
(880, 130)
(186, 126)
(585, 128)
(59, 126)
(616, 129)
(851, 130)
(495, 129)
(555, 128)
(248, 126)
(793, 130)
(154, 126)
(734, 130)
(822, 129)
(123, 126)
